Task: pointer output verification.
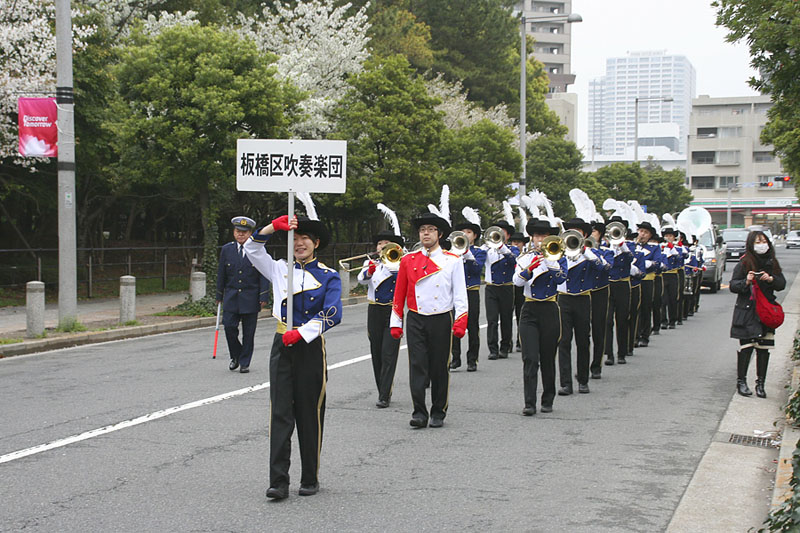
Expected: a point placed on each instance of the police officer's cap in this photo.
(243, 223)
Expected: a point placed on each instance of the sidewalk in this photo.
(733, 488)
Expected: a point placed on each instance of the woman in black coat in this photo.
(757, 265)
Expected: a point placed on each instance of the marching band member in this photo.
(540, 325)
(699, 281)
(243, 292)
(474, 260)
(499, 294)
(600, 297)
(297, 369)
(690, 268)
(380, 280)
(652, 263)
(432, 282)
(637, 274)
(619, 299)
(575, 308)
(672, 261)
(518, 240)
(683, 248)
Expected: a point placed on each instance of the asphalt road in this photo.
(618, 459)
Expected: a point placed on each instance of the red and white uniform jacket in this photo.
(431, 285)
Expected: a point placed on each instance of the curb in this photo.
(789, 441)
(92, 337)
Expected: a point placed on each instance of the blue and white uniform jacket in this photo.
(672, 258)
(541, 283)
(580, 273)
(621, 265)
(638, 267)
(500, 263)
(652, 259)
(317, 290)
(600, 272)
(474, 261)
(380, 285)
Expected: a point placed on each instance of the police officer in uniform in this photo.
(243, 292)
(297, 367)
(380, 280)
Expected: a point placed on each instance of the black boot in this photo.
(762, 361)
(742, 388)
(760, 392)
(742, 363)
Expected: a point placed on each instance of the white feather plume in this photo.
(653, 219)
(584, 207)
(637, 210)
(444, 204)
(311, 210)
(666, 217)
(523, 220)
(548, 207)
(435, 210)
(528, 202)
(508, 213)
(472, 216)
(610, 204)
(391, 216)
(627, 213)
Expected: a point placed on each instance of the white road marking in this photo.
(19, 454)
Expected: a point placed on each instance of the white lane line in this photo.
(19, 454)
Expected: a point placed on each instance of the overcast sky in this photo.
(611, 28)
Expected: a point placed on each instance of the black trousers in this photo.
(681, 287)
(619, 305)
(383, 347)
(576, 316)
(298, 377)
(697, 288)
(599, 317)
(473, 329)
(646, 309)
(633, 315)
(658, 295)
(670, 299)
(499, 307)
(519, 301)
(429, 338)
(540, 329)
(240, 351)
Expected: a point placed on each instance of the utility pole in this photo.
(523, 54)
(67, 270)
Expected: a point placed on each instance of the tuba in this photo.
(615, 233)
(493, 237)
(573, 243)
(459, 243)
(695, 219)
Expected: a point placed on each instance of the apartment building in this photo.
(729, 167)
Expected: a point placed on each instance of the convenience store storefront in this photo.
(774, 213)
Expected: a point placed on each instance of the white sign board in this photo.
(285, 165)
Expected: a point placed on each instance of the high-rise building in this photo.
(664, 84)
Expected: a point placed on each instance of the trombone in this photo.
(389, 255)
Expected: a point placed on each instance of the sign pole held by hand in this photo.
(216, 331)
(290, 272)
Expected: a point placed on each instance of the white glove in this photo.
(648, 263)
(589, 254)
(635, 270)
(504, 250)
(552, 265)
(468, 256)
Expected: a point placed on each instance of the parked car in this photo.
(714, 257)
(766, 232)
(735, 239)
(793, 239)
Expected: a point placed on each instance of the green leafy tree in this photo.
(554, 167)
(479, 164)
(393, 132)
(396, 30)
(666, 190)
(185, 97)
(623, 181)
(770, 29)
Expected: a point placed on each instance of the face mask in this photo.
(761, 248)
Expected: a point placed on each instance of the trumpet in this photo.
(615, 233)
(390, 255)
(590, 242)
(493, 237)
(573, 243)
(459, 243)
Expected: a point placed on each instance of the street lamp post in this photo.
(636, 120)
(523, 54)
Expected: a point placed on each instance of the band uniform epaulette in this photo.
(448, 252)
(323, 266)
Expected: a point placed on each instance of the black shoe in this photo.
(455, 364)
(528, 411)
(308, 490)
(547, 408)
(519, 348)
(665, 325)
(565, 391)
(382, 404)
(671, 326)
(596, 374)
(636, 343)
(742, 388)
(472, 367)
(760, 392)
(244, 369)
(493, 356)
(609, 360)
(436, 422)
(583, 388)
(418, 422)
(278, 493)
(655, 332)
(234, 364)
(503, 355)
(621, 360)
(680, 323)
(644, 343)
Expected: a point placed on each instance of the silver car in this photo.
(793, 239)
